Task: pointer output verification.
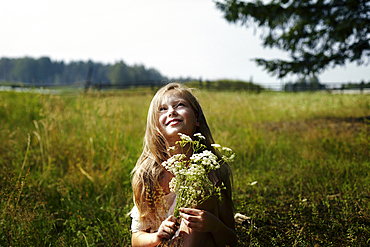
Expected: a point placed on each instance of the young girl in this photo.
(173, 110)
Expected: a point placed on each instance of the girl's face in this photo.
(176, 116)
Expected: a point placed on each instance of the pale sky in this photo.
(176, 37)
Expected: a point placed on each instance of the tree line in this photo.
(313, 84)
(45, 71)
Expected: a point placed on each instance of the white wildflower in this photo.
(228, 159)
(185, 137)
(227, 149)
(200, 136)
(231, 158)
(215, 145)
(172, 184)
(196, 157)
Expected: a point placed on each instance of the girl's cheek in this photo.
(161, 119)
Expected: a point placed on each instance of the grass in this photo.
(65, 163)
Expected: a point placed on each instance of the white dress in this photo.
(138, 225)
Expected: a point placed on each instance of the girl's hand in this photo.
(199, 220)
(168, 228)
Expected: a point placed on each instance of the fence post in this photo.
(88, 78)
(200, 83)
(362, 85)
(208, 85)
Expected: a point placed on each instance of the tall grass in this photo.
(65, 163)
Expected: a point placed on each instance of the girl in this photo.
(173, 110)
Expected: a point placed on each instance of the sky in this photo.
(179, 38)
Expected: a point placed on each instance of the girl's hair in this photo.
(148, 170)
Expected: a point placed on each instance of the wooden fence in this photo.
(208, 85)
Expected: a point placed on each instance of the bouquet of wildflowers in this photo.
(191, 182)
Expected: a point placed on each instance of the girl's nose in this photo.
(172, 112)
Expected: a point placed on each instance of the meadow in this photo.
(301, 172)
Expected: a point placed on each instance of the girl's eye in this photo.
(162, 108)
(180, 104)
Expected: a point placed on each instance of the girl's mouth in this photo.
(173, 122)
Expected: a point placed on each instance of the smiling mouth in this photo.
(173, 122)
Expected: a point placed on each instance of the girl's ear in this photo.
(197, 123)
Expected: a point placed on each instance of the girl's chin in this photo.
(173, 137)
(175, 134)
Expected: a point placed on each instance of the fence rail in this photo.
(273, 86)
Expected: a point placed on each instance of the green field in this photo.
(65, 163)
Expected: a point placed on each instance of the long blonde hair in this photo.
(148, 169)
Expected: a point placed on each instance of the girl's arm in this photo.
(165, 231)
(204, 220)
(142, 238)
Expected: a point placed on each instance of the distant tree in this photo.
(100, 73)
(154, 74)
(140, 73)
(313, 80)
(304, 83)
(226, 85)
(44, 70)
(6, 66)
(58, 69)
(75, 72)
(25, 70)
(120, 73)
(145, 76)
(316, 33)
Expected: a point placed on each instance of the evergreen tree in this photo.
(316, 33)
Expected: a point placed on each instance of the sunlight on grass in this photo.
(301, 171)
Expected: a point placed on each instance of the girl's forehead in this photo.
(172, 96)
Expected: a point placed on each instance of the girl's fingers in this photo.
(192, 211)
(193, 225)
(172, 226)
(190, 218)
(171, 222)
(172, 218)
(184, 216)
(169, 230)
